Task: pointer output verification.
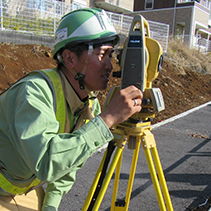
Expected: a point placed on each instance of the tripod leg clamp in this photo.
(120, 138)
(148, 140)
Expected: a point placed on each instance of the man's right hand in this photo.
(122, 106)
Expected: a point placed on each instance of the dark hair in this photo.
(78, 49)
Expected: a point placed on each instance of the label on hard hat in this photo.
(61, 35)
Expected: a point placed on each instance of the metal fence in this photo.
(199, 43)
(202, 44)
(158, 31)
(28, 21)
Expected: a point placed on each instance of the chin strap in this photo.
(80, 76)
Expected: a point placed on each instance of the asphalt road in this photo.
(184, 148)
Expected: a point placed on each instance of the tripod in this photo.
(140, 62)
(136, 134)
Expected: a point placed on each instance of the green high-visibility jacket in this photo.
(30, 142)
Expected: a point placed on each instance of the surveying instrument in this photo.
(140, 63)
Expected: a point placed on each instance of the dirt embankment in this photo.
(184, 80)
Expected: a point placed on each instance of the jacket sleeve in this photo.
(52, 157)
(55, 191)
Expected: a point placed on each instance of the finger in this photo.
(136, 94)
(133, 91)
(136, 108)
(129, 89)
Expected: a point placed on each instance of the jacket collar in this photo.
(73, 100)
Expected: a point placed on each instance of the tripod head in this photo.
(140, 62)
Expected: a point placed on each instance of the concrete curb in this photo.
(179, 115)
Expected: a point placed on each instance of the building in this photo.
(117, 6)
(188, 20)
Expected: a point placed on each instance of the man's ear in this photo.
(68, 58)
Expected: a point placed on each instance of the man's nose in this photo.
(108, 63)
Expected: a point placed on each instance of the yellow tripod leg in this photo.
(116, 182)
(107, 179)
(154, 179)
(162, 179)
(130, 182)
(132, 172)
(148, 143)
(105, 184)
(94, 184)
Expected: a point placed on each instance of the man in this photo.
(48, 125)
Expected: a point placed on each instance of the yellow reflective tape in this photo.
(90, 103)
(7, 186)
(54, 80)
(60, 100)
(86, 121)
